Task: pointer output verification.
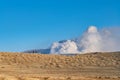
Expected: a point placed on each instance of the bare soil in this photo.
(90, 66)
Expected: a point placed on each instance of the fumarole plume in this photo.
(92, 40)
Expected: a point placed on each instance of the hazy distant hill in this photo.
(43, 51)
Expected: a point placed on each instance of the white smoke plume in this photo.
(110, 40)
(67, 46)
(91, 41)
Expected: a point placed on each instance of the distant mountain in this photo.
(43, 51)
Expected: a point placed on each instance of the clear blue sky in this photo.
(29, 24)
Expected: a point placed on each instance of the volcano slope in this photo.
(91, 66)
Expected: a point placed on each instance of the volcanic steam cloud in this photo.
(92, 40)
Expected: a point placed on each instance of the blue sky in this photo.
(29, 24)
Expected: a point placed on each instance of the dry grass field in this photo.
(25, 66)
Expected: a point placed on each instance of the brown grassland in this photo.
(94, 66)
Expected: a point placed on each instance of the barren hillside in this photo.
(23, 66)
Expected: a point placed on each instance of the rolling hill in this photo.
(89, 66)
